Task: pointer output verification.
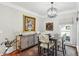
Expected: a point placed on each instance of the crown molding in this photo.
(69, 11)
(36, 14)
(19, 8)
(65, 12)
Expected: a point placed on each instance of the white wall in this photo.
(55, 25)
(70, 18)
(63, 18)
(78, 30)
(11, 23)
(74, 32)
(78, 37)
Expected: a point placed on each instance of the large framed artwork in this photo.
(29, 23)
(49, 26)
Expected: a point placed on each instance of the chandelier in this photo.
(52, 12)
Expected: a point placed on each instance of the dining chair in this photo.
(45, 46)
(60, 43)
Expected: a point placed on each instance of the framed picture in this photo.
(49, 26)
(29, 23)
(68, 27)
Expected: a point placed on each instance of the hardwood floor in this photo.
(30, 52)
(70, 51)
(14, 53)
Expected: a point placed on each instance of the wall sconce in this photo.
(77, 16)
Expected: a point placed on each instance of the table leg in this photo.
(55, 48)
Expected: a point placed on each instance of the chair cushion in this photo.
(43, 45)
(44, 38)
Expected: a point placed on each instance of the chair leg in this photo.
(44, 50)
(64, 51)
(58, 47)
(39, 50)
(52, 51)
(48, 52)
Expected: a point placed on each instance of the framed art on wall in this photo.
(49, 26)
(29, 23)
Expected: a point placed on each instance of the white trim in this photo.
(36, 14)
(65, 12)
(77, 50)
(19, 8)
(70, 11)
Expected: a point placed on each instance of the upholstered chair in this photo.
(60, 43)
(45, 45)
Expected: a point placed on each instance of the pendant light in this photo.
(52, 12)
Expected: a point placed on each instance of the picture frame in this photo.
(68, 27)
(29, 23)
(49, 26)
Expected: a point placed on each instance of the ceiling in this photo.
(42, 7)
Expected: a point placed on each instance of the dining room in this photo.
(39, 29)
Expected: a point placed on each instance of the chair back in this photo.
(56, 36)
(64, 37)
(59, 40)
(44, 38)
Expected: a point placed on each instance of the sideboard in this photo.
(26, 41)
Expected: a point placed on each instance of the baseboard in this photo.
(29, 47)
(71, 45)
(77, 48)
(76, 51)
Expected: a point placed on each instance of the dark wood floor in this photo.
(30, 52)
(70, 51)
